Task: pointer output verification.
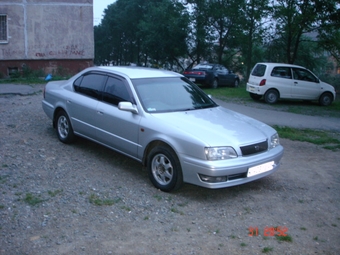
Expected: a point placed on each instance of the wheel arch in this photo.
(152, 145)
(328, 93)
(55, 114)
(273, 88)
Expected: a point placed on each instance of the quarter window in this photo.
(282, 72)
(3, 28)
(259, 70)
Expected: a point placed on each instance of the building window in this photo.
(3, 28)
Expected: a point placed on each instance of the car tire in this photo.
(164, 169)
(236, 83)
(214, 84)
(271, 96)
(255, 96)
(325, 99)
(64, 128)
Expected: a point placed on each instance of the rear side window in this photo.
(90, 84)
(259, 70)
(281, 72)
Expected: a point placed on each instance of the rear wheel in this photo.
(271, 96)
(326, 99)
(255, 96)
(164, 169)
(64, 128)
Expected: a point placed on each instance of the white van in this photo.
(273, 81)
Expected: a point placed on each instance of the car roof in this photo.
(270, 64)
(134, 72)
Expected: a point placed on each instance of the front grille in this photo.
(254, 148)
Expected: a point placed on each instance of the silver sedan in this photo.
(164, 121)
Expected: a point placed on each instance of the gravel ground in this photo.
(86, 199)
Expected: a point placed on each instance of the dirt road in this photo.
(86, 199)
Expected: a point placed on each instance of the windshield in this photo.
(170, 95)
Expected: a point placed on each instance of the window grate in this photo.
(3, 28)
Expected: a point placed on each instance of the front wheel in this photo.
(236, 83)
(326, 99)
(271, 96)
(64, 128)
(164, 169)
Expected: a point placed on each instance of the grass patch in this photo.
(54, 193)
(175, 210)
(239, 93)
(286, 238)
(328, 140)
(267, 249)
(158, 197)
(243, 244)
(33, 200)
(96, 200)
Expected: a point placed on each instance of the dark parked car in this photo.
(212, 75)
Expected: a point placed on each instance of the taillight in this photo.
(194, 72)
(263, 82)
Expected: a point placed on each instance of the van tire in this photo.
(271, 96)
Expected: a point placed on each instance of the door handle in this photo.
(100, 112)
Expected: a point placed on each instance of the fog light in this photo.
(213, 179)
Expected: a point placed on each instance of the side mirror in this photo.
(128, 107)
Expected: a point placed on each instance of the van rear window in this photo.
(259, 70)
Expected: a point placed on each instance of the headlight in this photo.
(220, 153)
(274, 141)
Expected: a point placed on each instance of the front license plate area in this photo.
(255, 170)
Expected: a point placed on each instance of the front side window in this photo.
(90, 84)
(115, 92)
(304, 75)
(3, 28)
(281, 72)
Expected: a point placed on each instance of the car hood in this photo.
(217, 126)
(327, 86)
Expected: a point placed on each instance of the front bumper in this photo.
(235, 169)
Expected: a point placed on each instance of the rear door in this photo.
(281, 79)
(306, 85)
(82, 107)
(116, 128)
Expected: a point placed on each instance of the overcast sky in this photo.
(98, 9)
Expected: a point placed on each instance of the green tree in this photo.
(225, 19)
(294, 18)
(116, 38)
(164, 30)
(199, 39)
(254, 27)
